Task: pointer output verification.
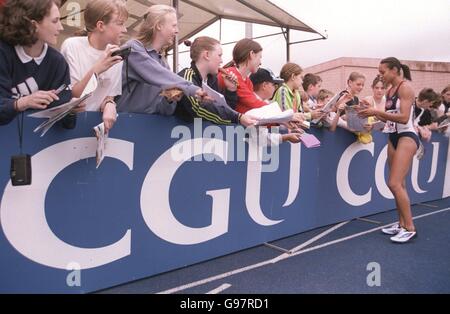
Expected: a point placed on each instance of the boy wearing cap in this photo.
(265, 83)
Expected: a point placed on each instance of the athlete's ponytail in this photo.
(406, 72)
(392, 62)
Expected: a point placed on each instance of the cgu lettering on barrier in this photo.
(287, 205)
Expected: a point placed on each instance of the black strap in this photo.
(396, 90)
(20, 124)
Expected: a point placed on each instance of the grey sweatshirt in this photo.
(148, 74)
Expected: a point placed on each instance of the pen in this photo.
(61, 88)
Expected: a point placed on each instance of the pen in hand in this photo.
(63, 87)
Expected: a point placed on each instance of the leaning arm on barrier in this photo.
(109, 106)
(7, 111)
(406, 96)
(207, 110)
(337, 120)
(153, 73)
(11, 104)
(283, 98)
(109, 112)
(7, 103)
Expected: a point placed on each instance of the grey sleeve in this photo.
(153, 73)
(166, 108)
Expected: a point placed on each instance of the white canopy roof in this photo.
(195, 15)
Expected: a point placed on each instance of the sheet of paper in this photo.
(355, 122)
(51, 112)
(102, 141)
(102, 138)
(328, 106)
(444, 124)
(378, 126)
(306, 124)
(218, 98)
(270, 114)
(55, 114)
(90, 87)
(266, 111)
(45, 126)
(282, 117)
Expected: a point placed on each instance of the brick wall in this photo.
(335, 73)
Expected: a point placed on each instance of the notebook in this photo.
(309, 140)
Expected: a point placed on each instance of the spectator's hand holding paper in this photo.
(214, 96)
(172, 94)
(271, 114)
(444, 124)
(102, 137)
(328, 106)
(56, 113)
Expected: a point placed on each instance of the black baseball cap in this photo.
(265, 75)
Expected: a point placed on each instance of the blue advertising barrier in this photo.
(79, 229)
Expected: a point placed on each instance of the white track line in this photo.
(213, 278)
(241, 270)
(360, 234)
(219, 289)
(312, 240)
(267, 262)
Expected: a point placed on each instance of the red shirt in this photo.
(247, 99)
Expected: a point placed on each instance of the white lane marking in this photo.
(312, 240)
(243, 269)
(219, 289)
(213, 278)
(250, 267)
(360, 234)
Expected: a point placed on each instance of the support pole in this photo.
(248, 30)
(175, 4)
(288, 45)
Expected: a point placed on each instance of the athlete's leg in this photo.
(400, 166)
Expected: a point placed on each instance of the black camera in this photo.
(353, 102)
(20, 172)
(69, 122)
(124, 53)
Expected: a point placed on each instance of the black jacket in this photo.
(189, 108)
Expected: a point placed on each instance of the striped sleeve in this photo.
(198, 109)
